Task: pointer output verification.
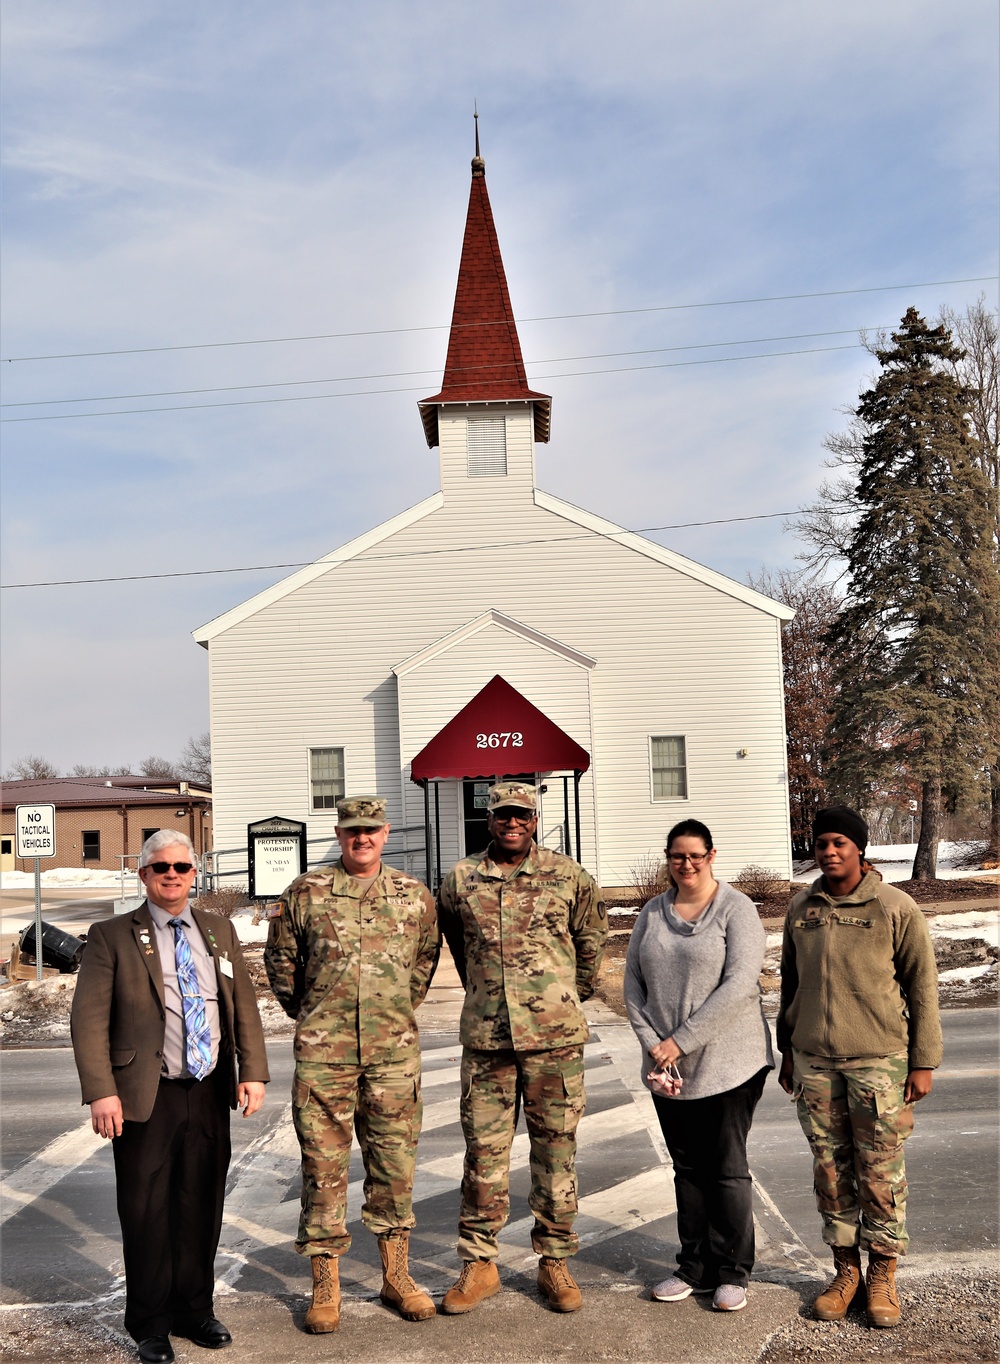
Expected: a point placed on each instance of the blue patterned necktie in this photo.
(198, 1035)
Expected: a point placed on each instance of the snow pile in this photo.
(984, 924)
(246, 930)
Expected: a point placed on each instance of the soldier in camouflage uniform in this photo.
(350, 953)
(526, 928)
(860, 1035)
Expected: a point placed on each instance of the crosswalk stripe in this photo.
(623, 1207)
(611, 1122)
(634, 1203)
(54, 1162)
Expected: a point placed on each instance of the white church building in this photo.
(520, 636)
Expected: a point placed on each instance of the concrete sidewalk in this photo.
(617, 1321)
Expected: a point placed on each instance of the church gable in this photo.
(632, 651)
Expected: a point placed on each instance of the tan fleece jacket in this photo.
(858, 976)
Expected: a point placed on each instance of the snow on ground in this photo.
(963, 974)
(246, 930)
(894, 861)
(983, 924)
(75, 878)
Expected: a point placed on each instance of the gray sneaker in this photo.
(671, 1290)
(729, 1297)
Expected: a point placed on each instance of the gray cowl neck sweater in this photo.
(700, 984)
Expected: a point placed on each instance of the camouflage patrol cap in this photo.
(517, 793)
(361, 812)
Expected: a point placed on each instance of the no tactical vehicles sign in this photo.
(36, 830)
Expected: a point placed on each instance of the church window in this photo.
(668, 763)
(487, 447)
(326, 775)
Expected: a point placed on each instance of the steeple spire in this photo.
(484, 361)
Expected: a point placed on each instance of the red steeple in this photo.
(484, 361)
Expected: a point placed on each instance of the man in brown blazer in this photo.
(167, 1038)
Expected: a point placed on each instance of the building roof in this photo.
(206, 633)
(75, 791)
(438, 647)
(484, 361)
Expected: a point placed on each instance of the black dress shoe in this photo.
(208, 1332)
(155, 1350)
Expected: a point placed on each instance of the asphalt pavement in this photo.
(62, 1287)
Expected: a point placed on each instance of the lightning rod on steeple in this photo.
(478, 164)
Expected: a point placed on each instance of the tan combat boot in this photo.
(883, 1300)
(556, 1285)
(398, 1289)
(324, 1310)
(836, 1298)
(479, 1279)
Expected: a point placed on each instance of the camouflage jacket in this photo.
(351, 965)
(527, 948)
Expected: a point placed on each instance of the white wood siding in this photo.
(429, 696)
(675, 655)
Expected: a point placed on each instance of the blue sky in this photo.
(184, 175)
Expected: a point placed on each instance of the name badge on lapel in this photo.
(226, 967)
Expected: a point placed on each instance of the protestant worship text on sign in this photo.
(276, 854)
(36, 831)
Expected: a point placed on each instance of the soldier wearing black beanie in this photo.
(841, 819)
(860, 1036)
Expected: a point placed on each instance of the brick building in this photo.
(98, 821)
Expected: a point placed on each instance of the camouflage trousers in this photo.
(382, 1104)
(551, 1087)
(852, 1112)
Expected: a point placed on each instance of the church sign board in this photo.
(276, 851)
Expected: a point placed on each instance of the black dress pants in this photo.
(707, 1141)
(171, 1183)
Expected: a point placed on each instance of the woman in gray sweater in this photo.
(693, 997)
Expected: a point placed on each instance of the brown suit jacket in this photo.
(118, 1017)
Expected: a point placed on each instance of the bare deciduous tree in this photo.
(809, 690)
(31, 768)
(160, 769)
(196, 760)
(89, 770)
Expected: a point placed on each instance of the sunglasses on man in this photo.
(161, 868)
(513, 814)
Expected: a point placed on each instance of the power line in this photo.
(374, 392)
(442, 326)
(413, 554)
(461, 369)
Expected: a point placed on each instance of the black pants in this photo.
(171, 1183)
(707, 1141)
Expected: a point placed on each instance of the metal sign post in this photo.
(36, 838)
(38, 918)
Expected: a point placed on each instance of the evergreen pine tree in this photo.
(916, 649)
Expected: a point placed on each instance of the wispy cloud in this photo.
(197, 174)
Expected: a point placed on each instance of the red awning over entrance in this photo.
(498, 731)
